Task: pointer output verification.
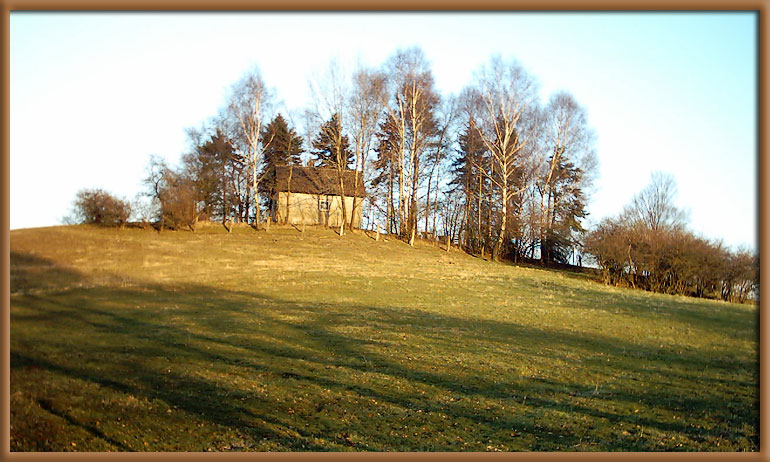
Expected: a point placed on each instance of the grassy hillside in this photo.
(129, 340)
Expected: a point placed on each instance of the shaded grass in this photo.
(131, 340)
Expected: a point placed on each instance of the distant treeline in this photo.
(492, 169)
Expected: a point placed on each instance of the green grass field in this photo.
(130, 340)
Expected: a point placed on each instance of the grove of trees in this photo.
(492, 169)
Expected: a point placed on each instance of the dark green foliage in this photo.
(468, 176)
(283, 146)
(95, 206)
(209, 169)
(386, 169)
(202, 188)
(567, 211)
(331, 148)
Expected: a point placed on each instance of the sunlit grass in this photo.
(133, 340)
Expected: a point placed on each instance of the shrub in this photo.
(95, 206)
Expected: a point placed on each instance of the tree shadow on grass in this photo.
(317, 368)
(647, 365)
(49, 407)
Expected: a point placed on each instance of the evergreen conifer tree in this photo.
(385, 167)
(330, 145)
(468, 177)
(283, 146)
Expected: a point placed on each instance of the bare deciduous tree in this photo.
(506, 92)
(648, 246)
(654, 206)
(367, 99)
(410, 111)
(96, 206)
(249, 103)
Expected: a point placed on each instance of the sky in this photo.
(94, 94)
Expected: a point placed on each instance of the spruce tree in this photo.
(330, 146)
(385, 167)
(467, 172)
(567, 210)
(283, 146)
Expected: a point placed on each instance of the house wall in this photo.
(304, 209)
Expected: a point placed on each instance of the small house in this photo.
(313, 196)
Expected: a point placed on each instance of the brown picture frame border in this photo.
(763, 173)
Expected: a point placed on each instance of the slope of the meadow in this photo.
(131, 340)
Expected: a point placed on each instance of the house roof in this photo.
(317, 180)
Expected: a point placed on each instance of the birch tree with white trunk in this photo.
(249, 103)
(413, 100)
(367, 99)
(507, 93)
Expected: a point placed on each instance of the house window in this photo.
(323, 205)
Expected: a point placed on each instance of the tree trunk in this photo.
(255, 185)
(415, 161)
(359, 164)
(466, 223)
(436, 166)
(542, 225)
(427, 201)
(288, 195)
(401, 202)
(503, 221)
(356, 203)
(390, 209)
(225, 214)
(478, 211)
(342, 200)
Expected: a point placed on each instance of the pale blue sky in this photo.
(93, 94)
